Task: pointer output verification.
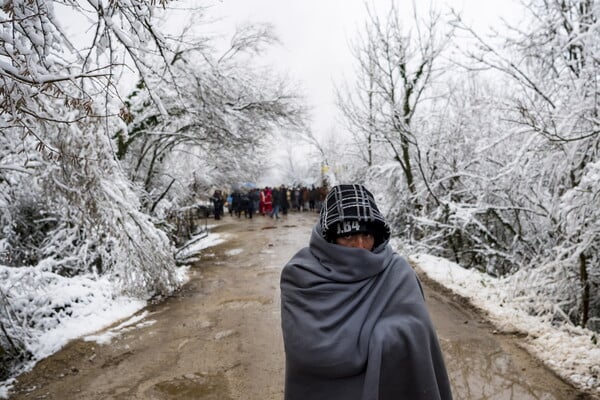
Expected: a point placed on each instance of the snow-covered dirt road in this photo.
(219, 337)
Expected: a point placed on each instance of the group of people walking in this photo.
(268, 201)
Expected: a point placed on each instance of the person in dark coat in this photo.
(255, 198)
(236, 202)
(276, 199)
(283, 200)
(217, 200)
(353, 315)
(245, 205)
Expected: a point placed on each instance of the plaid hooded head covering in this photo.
(351, 209)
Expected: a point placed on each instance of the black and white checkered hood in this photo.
(352, 203)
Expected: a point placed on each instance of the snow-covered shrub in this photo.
(570, 279)
(67, 210)
(27, 225)
(496, 166)
(79, 221)
(43, 311)
(13, 348)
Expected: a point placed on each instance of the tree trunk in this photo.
(585, 293)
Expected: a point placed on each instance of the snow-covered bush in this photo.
(494, 166)
(44, 310)
(76, 220)
(27, 224)
(67, 210)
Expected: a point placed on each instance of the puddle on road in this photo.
(193, 386)
(494, 375)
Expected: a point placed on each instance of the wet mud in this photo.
(486, 364)
(220, 337)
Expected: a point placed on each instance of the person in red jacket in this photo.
(268, 202)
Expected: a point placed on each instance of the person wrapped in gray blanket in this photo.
(354, 320)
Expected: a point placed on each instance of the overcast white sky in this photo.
(316, 36)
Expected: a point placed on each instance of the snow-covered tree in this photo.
(67, 207)
(82, 169)
(59, 104)
(220, 112)
(554, 63)
(504, 154)
(397, 65)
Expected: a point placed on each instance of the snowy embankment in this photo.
(59, 309)
(570, 351)
(50, 310)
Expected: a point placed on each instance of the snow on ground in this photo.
(190, 250)
(86, 305)
(89, 304)
(135, 322)
(233, 252)
(568, 350)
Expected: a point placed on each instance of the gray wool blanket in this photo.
(355, 326)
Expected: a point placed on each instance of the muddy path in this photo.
(219, 337)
